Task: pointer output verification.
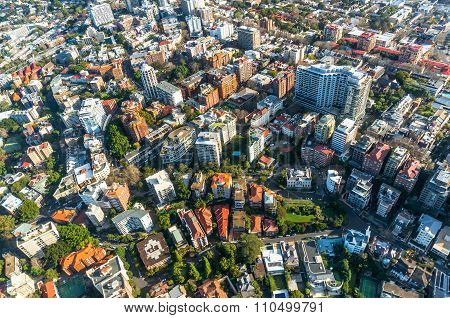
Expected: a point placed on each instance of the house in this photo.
(392, 290)
(270, 227)
(178, 291)
(20, 286)
(64, 215)
(211, 288)
(255, 224)
(239, 220)
(290, 255)
(204, 216)
(273, 259)
(48, 289)
(266, 162)
(12, 265)
(256, 196)
(198, 187)
(154, 251)
(111, 279)
(80, 260)
(222, 212)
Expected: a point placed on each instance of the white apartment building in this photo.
(355, 242)
(194, 25)
(161, 187)
(92, 115)
(149, 80)
(225, 126)
(273, 103)
(338, 90)
(133, 220)
(299, 178)
(169, 94)
(101, 14)
(209, 148)
(32, 243)
(95, 214)
(223, 31)
(259, 117)
(334, 181)
(20, 285)
(344, 136)
(256, 144)
(427, 231)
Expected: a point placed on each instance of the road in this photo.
(298, 237)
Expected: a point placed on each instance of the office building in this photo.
(161, 187)
(248, 38)
(101, 14)
(92, 115)
(133, 220)
(178, 146)
(395, 161)
(169, 93)
(209, 148)
(149, 80)
(436, 189)
(337, 90)
(343, 136)
(33, 242)
(324, 129)
(387, 199)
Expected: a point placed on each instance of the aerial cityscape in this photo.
(224, 149)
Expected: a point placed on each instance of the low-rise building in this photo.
(197, 235)
(33, 243)
(221, 185)
(154, 251)
(299, 178)
(222, 213)
(133, 220)
(81, 260)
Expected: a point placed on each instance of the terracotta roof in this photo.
(48, 290)
(222, 212)
(82, 259)
(255, 224)
(193, 224)
(379, 153)
(270, 226)
(256, 193)
(64, 215)
(221, 178)
(324, 149)
(204, 216)
(212, 289)
(411, 169)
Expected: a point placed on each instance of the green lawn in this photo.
(296, 218)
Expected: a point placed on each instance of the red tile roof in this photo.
(222, 213)
(379, 153)
(255, 224)
(256, 193)
(204, 216)
(48, 290)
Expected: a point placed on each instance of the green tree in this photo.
(51, 274)
(181, 189)
(75, 236)
(176, 257)
(28, 211)
(296, 294)
(116, 141)
(206, 266)
(249, 248)
(271, 283)
(193, 272)
(164, 220)
(7, 224)
(55, 252)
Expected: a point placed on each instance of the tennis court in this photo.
(368, 287)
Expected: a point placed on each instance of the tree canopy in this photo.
(75, 236)
(28, 211)
(116, 141)
(249, 248)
